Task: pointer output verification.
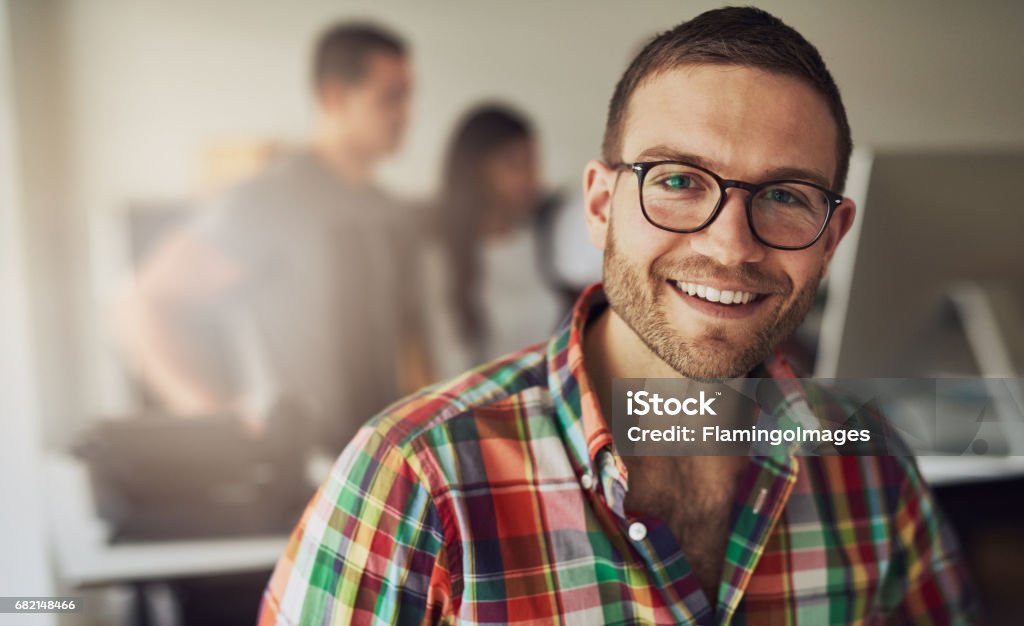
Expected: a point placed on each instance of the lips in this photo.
(717, 295)
(719, 302)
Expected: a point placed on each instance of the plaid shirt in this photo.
(497, 498)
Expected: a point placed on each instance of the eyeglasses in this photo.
(685, 198)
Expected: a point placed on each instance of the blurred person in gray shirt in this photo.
(307, 268)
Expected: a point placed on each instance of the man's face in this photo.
(372, 113)
(743, 124)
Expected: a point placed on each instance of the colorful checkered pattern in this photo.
(497, 498)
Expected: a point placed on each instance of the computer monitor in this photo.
(930, 284)
(935, 232)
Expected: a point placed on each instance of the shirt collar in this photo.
(576, 406)
(577, 409)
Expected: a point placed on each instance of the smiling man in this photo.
(500, 497)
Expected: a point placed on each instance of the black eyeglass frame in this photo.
(643, 167)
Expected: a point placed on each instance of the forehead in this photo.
(741, 121)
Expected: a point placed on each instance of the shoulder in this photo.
(409, 423)
(262, 209)
(883, 469)
(886, 462)
(837, 406)
(256, 200)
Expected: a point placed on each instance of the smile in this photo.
(720, 296)
(718, 302)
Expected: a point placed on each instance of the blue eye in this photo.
(782, 196)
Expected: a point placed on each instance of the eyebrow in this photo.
(665, 153)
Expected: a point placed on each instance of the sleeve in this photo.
(927, 581)
(369, 548)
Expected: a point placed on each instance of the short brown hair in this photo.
(731, 36)
(343, 51)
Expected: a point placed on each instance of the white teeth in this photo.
(714, 295)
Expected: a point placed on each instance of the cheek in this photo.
(367, 114)
(378, 114)
(638, 239)
(527, 184)
(515, 183)
(508, 180)
(803, 270)
(397, 112)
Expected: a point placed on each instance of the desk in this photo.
(951, 470)
(84, 558)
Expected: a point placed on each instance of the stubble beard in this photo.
(636, 299)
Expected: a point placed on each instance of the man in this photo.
(307, 268)
(500, 497)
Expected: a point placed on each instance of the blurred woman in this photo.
(496, 298)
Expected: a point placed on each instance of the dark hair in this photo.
(343, 51)
(478, 134)
(731, 36)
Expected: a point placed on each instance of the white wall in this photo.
(139, 85)
(23, 568)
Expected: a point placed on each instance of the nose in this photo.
(728, 239)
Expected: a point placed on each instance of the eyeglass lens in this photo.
(683, 198)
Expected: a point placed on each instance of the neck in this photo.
(346, 162)
(612, 350)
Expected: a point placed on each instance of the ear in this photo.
(598, 188)
(838, 226)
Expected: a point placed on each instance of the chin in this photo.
(709, 351)
(719, 370)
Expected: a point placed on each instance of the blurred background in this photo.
(167, 171)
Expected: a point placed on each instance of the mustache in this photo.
(703, 269)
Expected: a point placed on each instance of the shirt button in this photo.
(637, 531)
(587, 481)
